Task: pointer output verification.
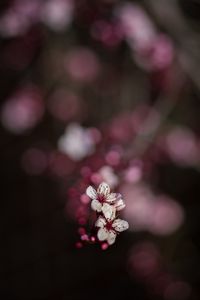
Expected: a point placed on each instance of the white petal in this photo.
(120, 225)
(111, 237)
(109, 211)
(103, 189)
(96, 205)
(119, 205)
(111, 197)
(101, 222)
(102, 234)
(91, 192)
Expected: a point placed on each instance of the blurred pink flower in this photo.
(34, 161)
(59, 164)
(159, 215)
(182, 146)
(19, 17)
(120, 128)
(133, 174)
(64, 105)
(82, 64)
(167, 216)
(23, 110)
(57, 14)
(162, 53)
(152, 50)
(138, 28)
(113, 157)
(144, 260)
(107, 33)
(139, 200)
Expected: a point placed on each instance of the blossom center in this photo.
(109, 226)
(101, 198)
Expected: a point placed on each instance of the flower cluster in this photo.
(107, 204)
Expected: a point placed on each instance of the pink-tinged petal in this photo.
(96, 205)
(91, 192)
(103, 189)
(102, 234)
(111, 197)
(118, 196)
(111, 237)
(119, 205)
(109, 211)
(120, 225)
(101, 222)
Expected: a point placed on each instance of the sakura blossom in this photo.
(107, 204)
(109, 226)
(102, 198)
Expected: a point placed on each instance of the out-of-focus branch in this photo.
(158, 116)
(154, 122)
(169, 15)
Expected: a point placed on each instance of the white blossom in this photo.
(102, 199)
(110, 227)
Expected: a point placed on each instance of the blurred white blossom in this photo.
(108, 175)
(57, 14)
(77, 142)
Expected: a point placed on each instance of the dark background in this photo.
(38, 257)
